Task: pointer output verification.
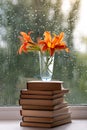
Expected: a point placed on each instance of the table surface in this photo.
(15, 125)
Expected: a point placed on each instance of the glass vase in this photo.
(46, 66)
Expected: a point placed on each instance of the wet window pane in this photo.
(40, 16)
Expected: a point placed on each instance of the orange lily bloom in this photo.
(53, 44)
(23, 48)
(26, 37)
(49, 43)
(26, 42)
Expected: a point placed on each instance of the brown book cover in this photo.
(35, 92)
(33, 96)
(46, 119)
(40, 113)
(40, 85)
(40, 102)
(46, 125)
(37, 107)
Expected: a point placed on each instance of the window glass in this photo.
(39, 16)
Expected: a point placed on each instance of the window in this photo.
(39, 16)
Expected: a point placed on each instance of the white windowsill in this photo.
(15, 125)
(13, 113)
(10, 119)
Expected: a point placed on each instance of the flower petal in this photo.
(26, 36)
(47, 37)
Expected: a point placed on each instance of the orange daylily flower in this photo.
(26, 37)
(49, 43)
(23, 48)
(53, 44)
(26, 42)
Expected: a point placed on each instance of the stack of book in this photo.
(43, 104)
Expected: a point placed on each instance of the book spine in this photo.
(44, 86)
(44, 119)
(27, 124)
(49, 108)
(48, 93)
(37, 113)
(40, 102)
(29, 96)
(45, 125)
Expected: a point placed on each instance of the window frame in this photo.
(13, 112)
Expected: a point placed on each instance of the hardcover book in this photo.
(39, 85)
(49, 108)
(37, 92)
(45, 125)
(41, 113)
(36, 96)
(40, 102)
(46, 119)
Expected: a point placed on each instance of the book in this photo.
(38, 107)
(40, 85)
(46, 119)
(35, 96)
(35, 92)
(41, 113)
(43, 102)
(45, 125)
